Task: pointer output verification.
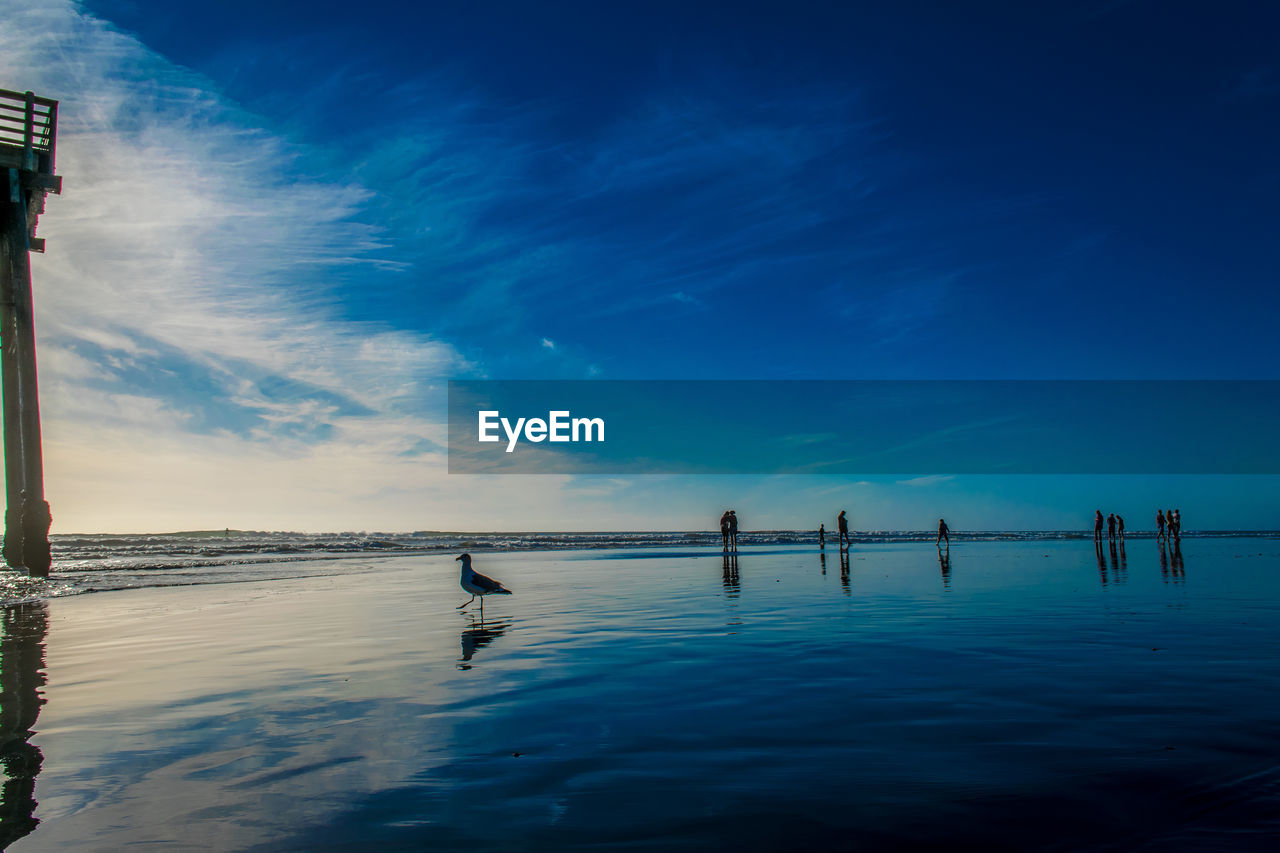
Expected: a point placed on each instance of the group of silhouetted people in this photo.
(729, 530)
(1168, 526)
(843, 524)
(1170, 522)
(1115, 527)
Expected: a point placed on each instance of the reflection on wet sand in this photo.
(22, 632)
(1172, 568)
(844, 572)
(822, 558)
(477, 636)
(944, 563)
(732, 587)
(1119, 565)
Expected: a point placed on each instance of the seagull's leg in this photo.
(482, 608)
(473, 598)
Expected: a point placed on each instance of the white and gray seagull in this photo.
(477, 584)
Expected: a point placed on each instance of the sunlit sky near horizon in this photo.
(285, 226)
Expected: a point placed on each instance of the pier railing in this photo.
(28, 129)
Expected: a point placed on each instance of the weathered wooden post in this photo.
(28, 129)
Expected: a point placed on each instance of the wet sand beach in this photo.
(1020, 695)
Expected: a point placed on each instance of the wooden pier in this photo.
(28, 131)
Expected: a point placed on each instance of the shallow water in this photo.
(1021, 695)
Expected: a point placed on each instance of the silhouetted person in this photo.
(724, 529)
(822, 535)
(944, 532)
(733, 530)
(1172, 524)
(1120, 526)
(1160, 524)
(1097, 526)
(1177, 524)
(1111, 526)
(843, 524)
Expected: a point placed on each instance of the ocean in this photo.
(99, 563)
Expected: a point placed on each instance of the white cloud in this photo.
(191, 245)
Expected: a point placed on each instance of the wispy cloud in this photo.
(183, 300)
(930, 480)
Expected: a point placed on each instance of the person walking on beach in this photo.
(822, 535)
(1111, 527)
(944, 532)
(1120, 527)
(724, 529)
(843, 524)
(733, 530)
(1177, 524)
(1159, 525)
(1097, 526)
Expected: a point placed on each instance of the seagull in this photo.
(477, 584)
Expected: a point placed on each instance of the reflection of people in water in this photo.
(822, 558)
(1171, 565)
(822, 535)
(22, 633)
(732, 585)
(944, 532)
(844, 570)
(476, 637)
(944, 563)
(1102, 561)
(843, 524)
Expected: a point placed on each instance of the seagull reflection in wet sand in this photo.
(476, 637)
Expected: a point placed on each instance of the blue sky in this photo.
(286, 225)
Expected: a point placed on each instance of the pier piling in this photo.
(28, 127)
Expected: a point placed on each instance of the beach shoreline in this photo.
(362, 708)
